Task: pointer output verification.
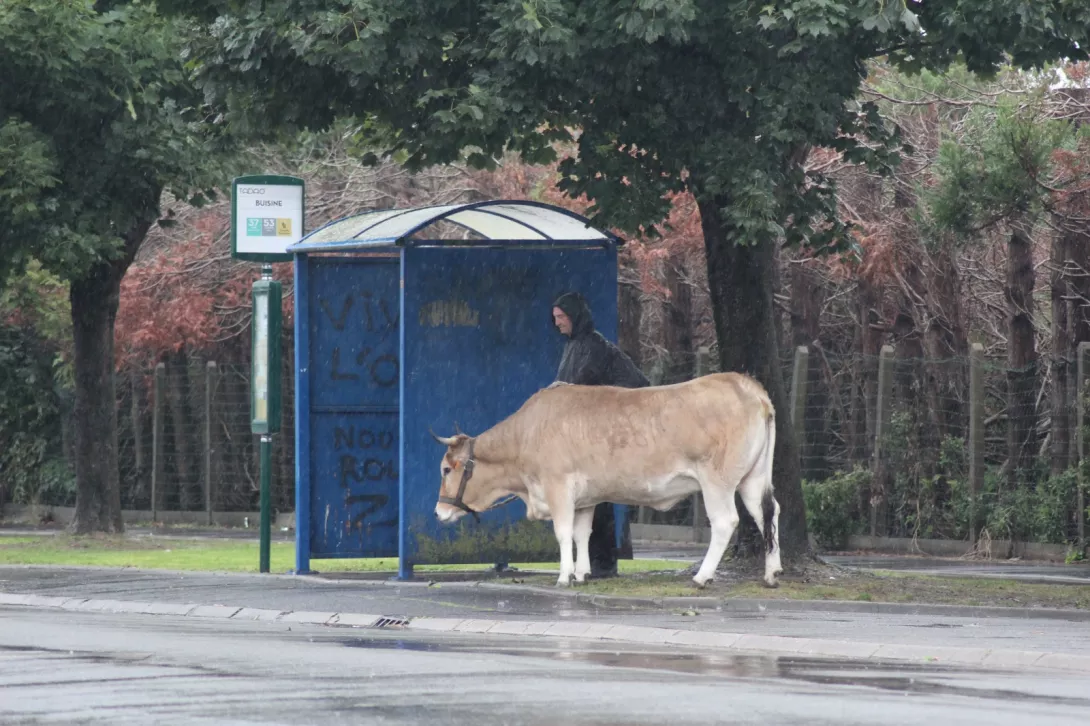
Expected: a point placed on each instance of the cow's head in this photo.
(457, 492)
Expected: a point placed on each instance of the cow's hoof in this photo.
(564, 581)
(701, 583)
(771, 582)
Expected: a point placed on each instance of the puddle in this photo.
(906, 678)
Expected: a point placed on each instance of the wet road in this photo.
(67, 668)
(466, 601)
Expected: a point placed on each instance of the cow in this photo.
(569, 447)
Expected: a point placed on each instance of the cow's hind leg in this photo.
(723, 515)
(756, 494)
(584, 519)
(755, 489)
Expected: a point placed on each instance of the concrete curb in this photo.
(632, 634)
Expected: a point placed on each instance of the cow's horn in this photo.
(457, 430)
(449, 441)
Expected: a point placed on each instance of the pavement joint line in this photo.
(574, 630)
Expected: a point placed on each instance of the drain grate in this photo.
(387, 622)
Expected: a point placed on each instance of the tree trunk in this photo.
(139, 478)
(1076, 251)
(871, 338)
(740, 279)
(678, 333)
(94, 301)
(630, 316)
(1060, 426)
(1021, 355)
(919, 391)
(947, 343)
(185, 460)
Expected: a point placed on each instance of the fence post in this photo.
(157, 440)
(703, 367)
(976, 436)
(137, 432)
(799, 377)
(1083, 353)
(881, 426)
(209, 448)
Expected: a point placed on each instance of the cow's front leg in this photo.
(563, 525)
(584, 519)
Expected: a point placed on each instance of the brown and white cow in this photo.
(570, 447)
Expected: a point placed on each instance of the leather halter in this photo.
(467, 472)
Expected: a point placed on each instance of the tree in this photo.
(720, 98)
(99, 118)
(992, 178)
(1002, 174)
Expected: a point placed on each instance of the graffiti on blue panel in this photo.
(367, 471)
(355, 369)
(373, 316)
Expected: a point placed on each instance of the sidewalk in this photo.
(991, 637)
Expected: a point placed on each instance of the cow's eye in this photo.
(446, 470)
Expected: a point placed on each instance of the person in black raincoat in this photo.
(591, 360)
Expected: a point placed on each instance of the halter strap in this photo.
(467, 473)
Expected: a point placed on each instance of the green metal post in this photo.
(266, 504)
(265, 390)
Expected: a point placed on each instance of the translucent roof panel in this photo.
(551, 221)
(494, 226)
(400, 226)
(349, 227)
(502, 220)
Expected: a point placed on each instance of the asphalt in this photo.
(876, 632)
(1057, 640)
(64, 667)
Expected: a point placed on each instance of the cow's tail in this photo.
(768, 504)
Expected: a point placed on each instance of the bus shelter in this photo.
(437, 317)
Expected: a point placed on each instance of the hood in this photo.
(575, 307)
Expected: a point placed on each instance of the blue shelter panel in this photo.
(353, 370)
(479, 341)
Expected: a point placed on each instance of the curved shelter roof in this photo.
(504, 221)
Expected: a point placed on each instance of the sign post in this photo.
(266, 217)
(265, 389)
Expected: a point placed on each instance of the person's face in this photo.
(563, 322)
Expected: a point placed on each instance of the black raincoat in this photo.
(589, 359)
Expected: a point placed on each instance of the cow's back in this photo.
(622, 434)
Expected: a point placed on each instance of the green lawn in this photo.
(642, 578)
(219, 555)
